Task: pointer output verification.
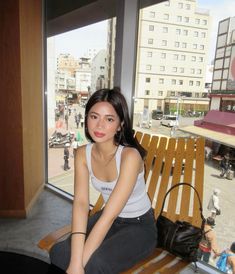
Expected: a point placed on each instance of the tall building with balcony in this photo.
(172, 56)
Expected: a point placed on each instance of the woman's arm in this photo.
(80, 211)
(212, 239)
(131, 165)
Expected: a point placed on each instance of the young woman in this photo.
(124, 232)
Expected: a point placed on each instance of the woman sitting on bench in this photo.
(123, 232)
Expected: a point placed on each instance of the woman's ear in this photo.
(121, 126)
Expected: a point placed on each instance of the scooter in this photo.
(58, 139)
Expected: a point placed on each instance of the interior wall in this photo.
(21, 110)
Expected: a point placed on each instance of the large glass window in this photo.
(181, 86)
(78, 63)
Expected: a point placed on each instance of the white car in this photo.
(169, 121)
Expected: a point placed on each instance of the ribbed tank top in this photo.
(138, 202)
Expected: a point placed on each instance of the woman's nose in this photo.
(100, 123)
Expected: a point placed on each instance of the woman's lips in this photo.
(99, 134)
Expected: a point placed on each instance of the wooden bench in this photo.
(182, 203)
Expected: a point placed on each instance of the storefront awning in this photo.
(221, 138)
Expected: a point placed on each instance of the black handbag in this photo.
(179, 238)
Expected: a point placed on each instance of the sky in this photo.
(78, 41)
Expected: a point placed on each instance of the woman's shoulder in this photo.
(131, 153)
(81, 151)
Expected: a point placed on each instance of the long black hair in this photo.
(114, 97)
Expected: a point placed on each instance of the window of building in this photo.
(164, 42)
(181, 82)
(203, 34)
(149, 54)
(150, 41)
(184, 45)
(202, 47)
(204, 22)
(187, 6)
(199, 71)
(166, 16)
(165, 29)
(151, 27)
(163, 55)
(197, 21)
(162, 68)
(198, 83)
(191, 83)
(181, 70)
(185, 32)
(161, 81)
(173, 81)
(192, 70)
(178, 31)
(174, 69)
(147, 92)
(195, 33)
(179, 18)
(172, 93)
(186, 19)
(200, 59)
(148, 67)
(194, 46)
(177, 44)
(183, 57)
(147, 80)
(175, 56)
(152, 14)
(193, 58)
(180, 5)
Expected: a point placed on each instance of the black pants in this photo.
(128, 241)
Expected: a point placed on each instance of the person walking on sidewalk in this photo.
(213, 205)
(224, 164)
(208, 243)
(66, 157)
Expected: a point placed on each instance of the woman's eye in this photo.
(92, 116)
(110, 119)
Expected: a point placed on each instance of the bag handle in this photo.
(200, 203)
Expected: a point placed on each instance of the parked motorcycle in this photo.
(58, 139)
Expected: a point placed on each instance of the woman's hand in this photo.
(75, 270)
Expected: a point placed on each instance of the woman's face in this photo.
(103, 122)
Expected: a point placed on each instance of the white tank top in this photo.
(138, 202)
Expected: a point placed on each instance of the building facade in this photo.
(223, 86)
(172, 56)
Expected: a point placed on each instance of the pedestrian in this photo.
(226, 262)
(213, 204)
(208, 243)
(66, 118)
(124, 231)
(77, 120)
(66, 157)
(224, 164)
(82, 121)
